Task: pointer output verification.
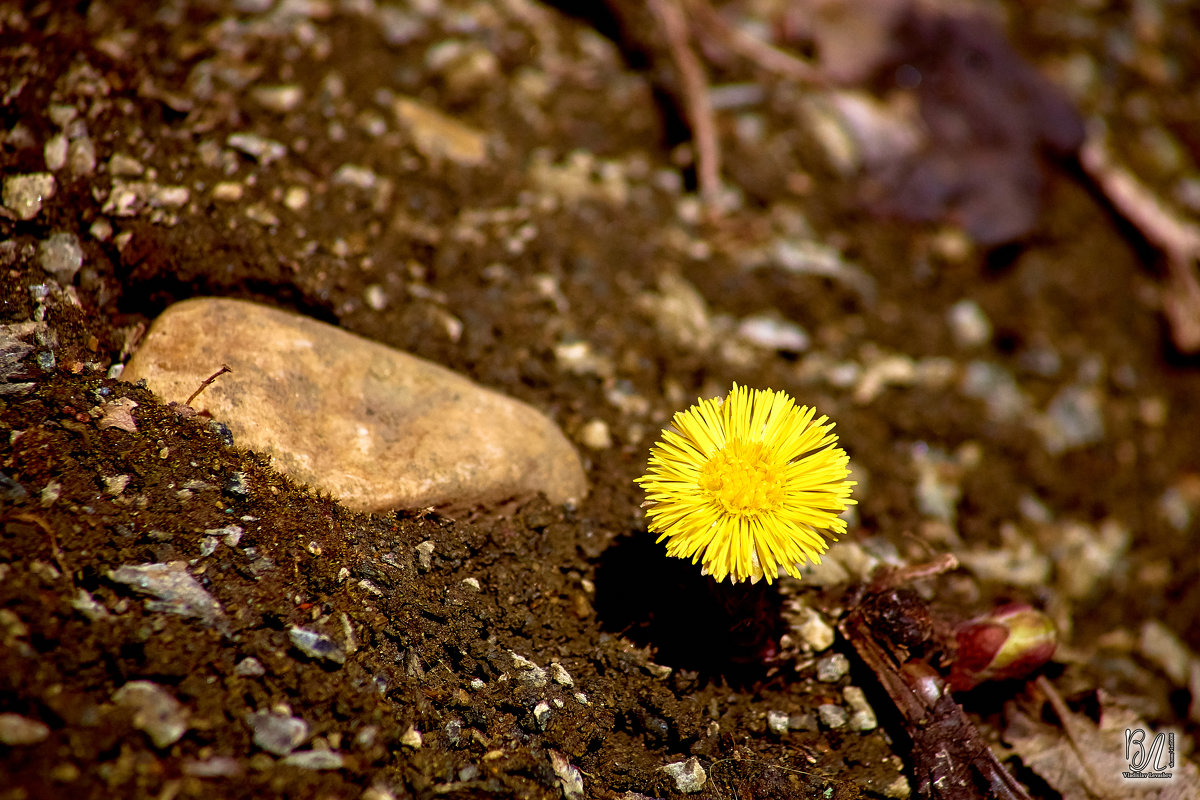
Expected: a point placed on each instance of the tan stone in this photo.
(377, 428)
(439, 136)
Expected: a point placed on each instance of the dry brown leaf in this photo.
(1085, 761)
(118, 413)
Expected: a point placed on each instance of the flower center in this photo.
(743, 478)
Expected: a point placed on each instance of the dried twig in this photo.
(224, 368)
(766, 57)
(697, 104)
(1177, 239)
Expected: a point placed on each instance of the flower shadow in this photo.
(721, 631)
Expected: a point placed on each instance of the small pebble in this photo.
(260, 148)
(812, 628)
(115, 484)
(280, 99)
(18, 731)
(155, 711)
(236, 485)
(997, 388)
(968, 324)
(541, 712)
(595, 434)
(81, 156)
(123, 166)
(24, 194)
(55, 152)
(228, 191)
(777, 721)
(569, 776)
(862, 716)
(250, 667)
(1074, 419)
(560, 675)
(61, 255)
(528, 672)
(316, 645)
(295, 198)
(471, 584)
(354, 175)
(315, 760)
(771, 333)
(173, 588)
(832, 716)
(411, 738)
(87, 605)
(688, 775)
(278, 734)
(802, 722)
(215, 767)
(376, 297)
(425, 555)
(832, 668)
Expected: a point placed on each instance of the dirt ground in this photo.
(1021, 405)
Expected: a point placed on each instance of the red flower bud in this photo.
(1011, 642)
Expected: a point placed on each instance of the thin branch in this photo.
(1177, 239)
(224, 368)
(697, 104)
(766, 57)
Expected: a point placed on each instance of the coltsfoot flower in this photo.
(748, 485)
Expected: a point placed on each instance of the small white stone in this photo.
(471, 584)
(862, 716)
(228, 191)
(832, 668)
(411, 738)
(61, 255)
(376, 297)
(81, 156)
(528, 672)
(772, 333)
(123, 166)
(541, 712)
(425, 555)
(777, 721)
(560, 675)
(968, 324)
(55, 152)
(259, 148)
(813, 629)
(17, 731)
(295, 198)
(280, 99)
(25, 194)
(155, 711)
(101, 230)
(569, 776)
(832, 716)
(354, 175)
(115, 484)
(688, 775)
(595, 434)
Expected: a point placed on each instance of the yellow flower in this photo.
(748, 485)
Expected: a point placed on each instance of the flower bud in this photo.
(1009, 643)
